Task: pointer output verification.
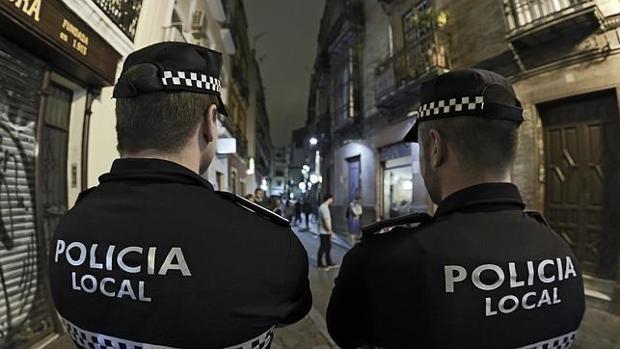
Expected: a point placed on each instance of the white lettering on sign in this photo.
(490, 277)
(129, 259)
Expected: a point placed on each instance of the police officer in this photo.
(153, 257)
(482, 272)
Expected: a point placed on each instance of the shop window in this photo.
(397, 191)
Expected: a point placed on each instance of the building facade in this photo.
(564, 60)
(55, 64)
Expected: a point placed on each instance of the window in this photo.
(232, 187)
(219, 178)
(417, 24)
(344, 88)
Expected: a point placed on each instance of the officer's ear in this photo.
(437, 148)
(209, 124)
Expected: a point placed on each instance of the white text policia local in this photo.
(78, 254)
(547, 271)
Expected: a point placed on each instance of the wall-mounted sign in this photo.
(62, 31)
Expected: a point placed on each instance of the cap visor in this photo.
(221, 107)
(412, 135)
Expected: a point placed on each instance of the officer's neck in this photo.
(453, 183)
(187, 157)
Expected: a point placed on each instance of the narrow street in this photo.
(311, 332)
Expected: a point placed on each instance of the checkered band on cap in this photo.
(561, 342)
(91, 340)
(452, 105)
(191, 79)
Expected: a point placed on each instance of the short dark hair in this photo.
(327, 197)
(162, 121)
(481, 144)
(257, 190)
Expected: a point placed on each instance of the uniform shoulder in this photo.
(253, 208)
(538, 216)
(85, 193)
(399, 225)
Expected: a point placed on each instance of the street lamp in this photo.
(314, 178)
(313, 141)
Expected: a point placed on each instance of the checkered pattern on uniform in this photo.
(90, 340)
(561, 342)
(452, 105)
(261, 342)
(191, 79)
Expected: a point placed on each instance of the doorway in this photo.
(582, 191)
(53, 152)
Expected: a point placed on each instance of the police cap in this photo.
(172, 67)
(467, 92)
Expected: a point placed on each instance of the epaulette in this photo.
(84, 193)
(413, 218)
(254, 208)
(537, 216)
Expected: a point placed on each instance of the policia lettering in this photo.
(76, 254)
(526, 275)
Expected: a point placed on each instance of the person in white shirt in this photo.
(325, 233)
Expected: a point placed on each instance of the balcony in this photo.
(399, 76)
(533, 22)
(346, 28)
(124, 14)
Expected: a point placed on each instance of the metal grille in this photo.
(25, 314)
(522, 12)
(419, 57)
(124, 13)
(53, 160)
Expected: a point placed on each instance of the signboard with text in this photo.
(62, 29)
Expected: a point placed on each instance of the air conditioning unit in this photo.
(199, 24)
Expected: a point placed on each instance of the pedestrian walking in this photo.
(151, 257)
(307, 210)
(259, 197)
(289, 210)
(325, 234)
(354, 217)
(480, 273)
(297, 213)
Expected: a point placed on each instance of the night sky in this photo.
(286, 49)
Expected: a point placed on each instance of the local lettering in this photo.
(128, 259)
(489, 277)
(31, 8)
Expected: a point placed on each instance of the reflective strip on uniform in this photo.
(92, 340)
(561, 342)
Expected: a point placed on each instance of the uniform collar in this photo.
(153, 170)
(486, 196)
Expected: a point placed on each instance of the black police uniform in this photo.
(153, 257)
(481, 273)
